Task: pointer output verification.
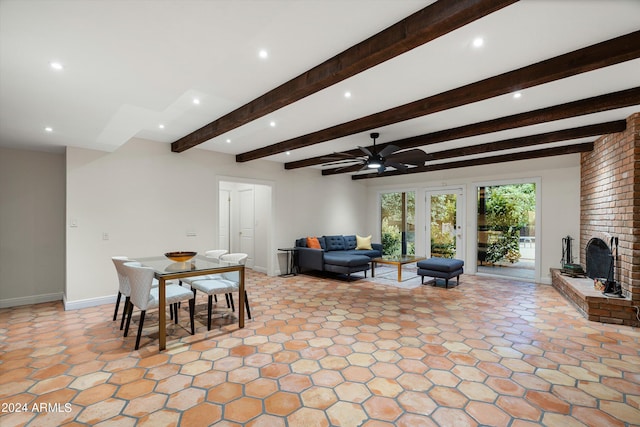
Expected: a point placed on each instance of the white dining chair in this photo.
(123, 287)
(215, 254)
(146, 297)
(225, 283)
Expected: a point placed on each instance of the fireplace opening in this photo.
(599, 260)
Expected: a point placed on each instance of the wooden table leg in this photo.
(399, 273)
(162, 314)
(373, 269)
(241, 299)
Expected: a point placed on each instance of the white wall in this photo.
(147, 198)
(32, 194)
(559, 205)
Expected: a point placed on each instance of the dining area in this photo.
(167, 281)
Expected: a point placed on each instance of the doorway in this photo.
(244, 218)
(444, 233)
(506, 230)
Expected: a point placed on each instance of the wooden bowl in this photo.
(180, 256)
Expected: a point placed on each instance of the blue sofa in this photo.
(338, 255)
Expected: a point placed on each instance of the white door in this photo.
(247, 223)
(224, 236)
(445, 223)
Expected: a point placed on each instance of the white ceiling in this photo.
(130, 66)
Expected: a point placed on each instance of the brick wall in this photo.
(610, 201)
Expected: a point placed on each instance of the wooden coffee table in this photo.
(398, 260)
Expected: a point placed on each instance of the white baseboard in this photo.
(91, 302)
(259, 269)
(33, 299)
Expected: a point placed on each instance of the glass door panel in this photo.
(444, 232)
(506, 230)
(398, 225)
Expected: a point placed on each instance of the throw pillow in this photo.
(312, 242)
(363, 242)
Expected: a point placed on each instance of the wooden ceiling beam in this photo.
(610, 52)
(596, 104)
(514, 143)
(417, 29)
(525, 155)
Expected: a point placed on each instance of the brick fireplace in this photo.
(610, 207)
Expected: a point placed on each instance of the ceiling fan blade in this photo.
(347, 167)
(366, 151)
(398, 166)
(343, 162)
(388, 150)
(336, 156)
(415, 157)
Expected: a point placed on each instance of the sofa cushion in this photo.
(446, 265)
(345, 259)
(350, 242)
(334, 243)
(370, 253)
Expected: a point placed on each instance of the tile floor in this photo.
(324, 352)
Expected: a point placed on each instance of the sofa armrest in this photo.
(310, 258)
(377, 247)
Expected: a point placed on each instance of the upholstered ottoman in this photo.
(442, 268)
(346, 263)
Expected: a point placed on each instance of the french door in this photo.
(397, 222)
(444, 231)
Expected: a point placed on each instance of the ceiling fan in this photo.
(390, 156)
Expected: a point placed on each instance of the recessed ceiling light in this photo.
(263, 54)
(288, 153)
(347, 94)
(272, 124)
(48, 129)
(228, 141)
(161, 126)
(517, 95)
(478, 41)
(56, 65)
(196, 101)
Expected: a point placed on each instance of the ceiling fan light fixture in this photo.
(373, 164)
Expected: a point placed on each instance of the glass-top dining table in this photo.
(166, 269)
